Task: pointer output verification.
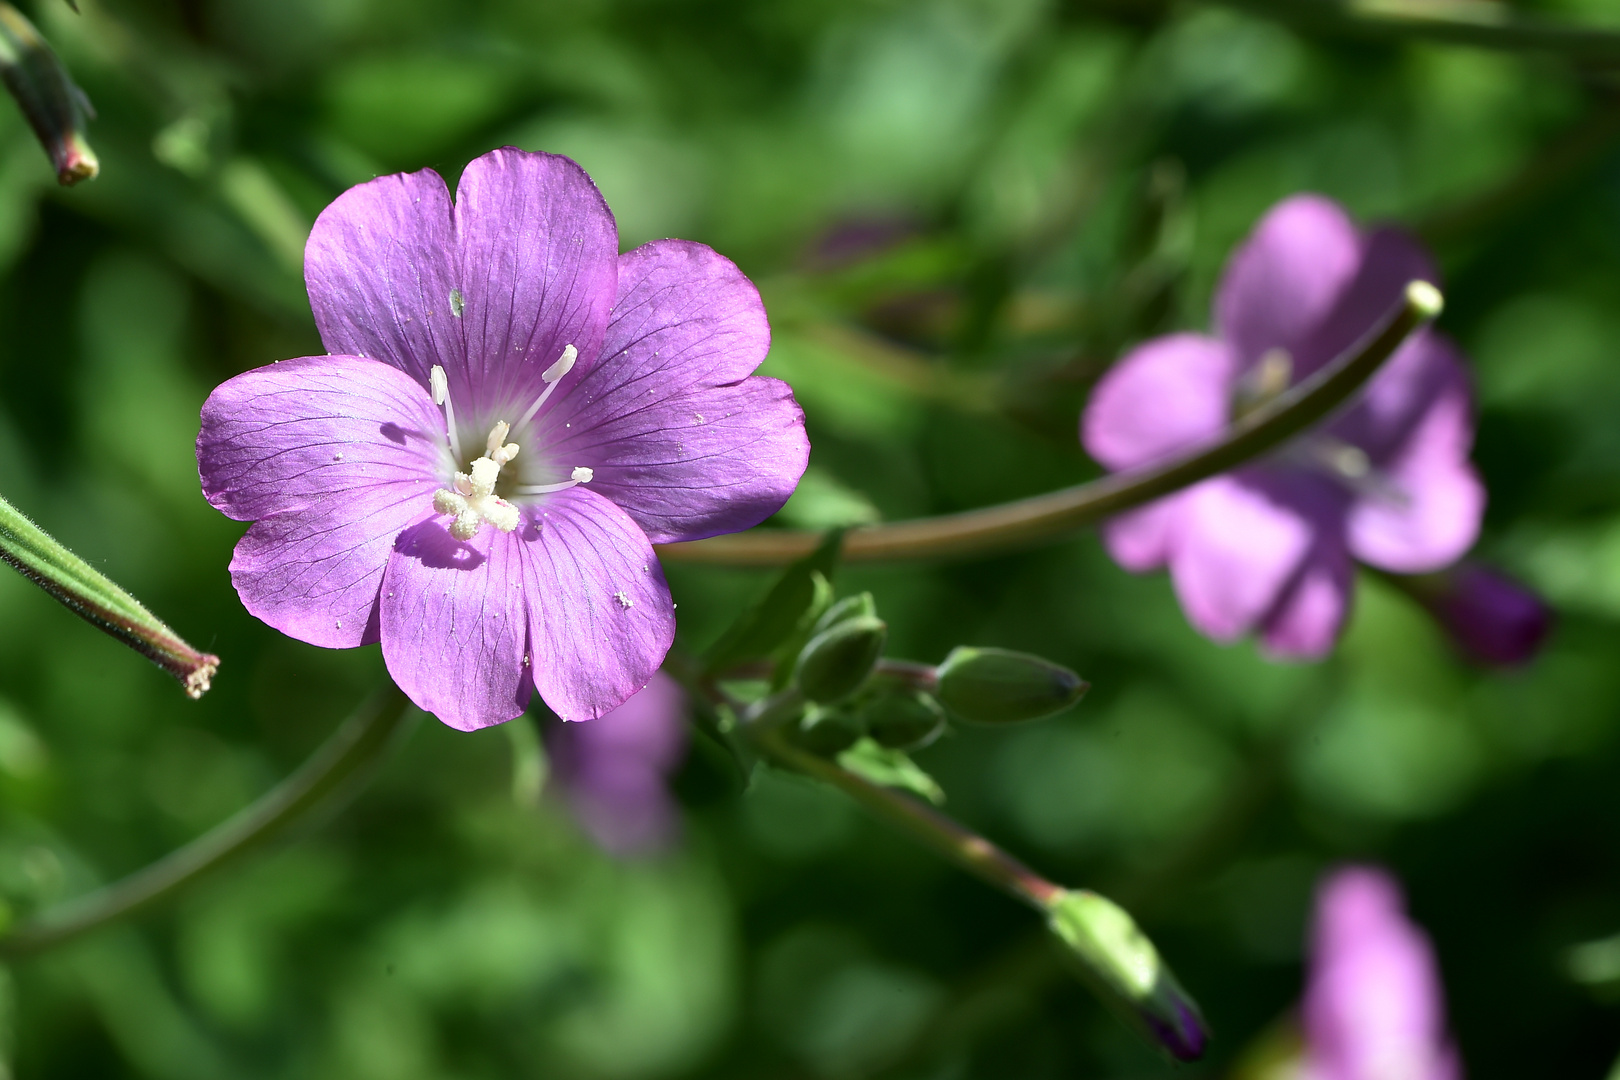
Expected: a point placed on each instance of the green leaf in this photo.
(890, 768)
(786, 614)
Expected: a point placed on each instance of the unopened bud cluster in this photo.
(840, 692)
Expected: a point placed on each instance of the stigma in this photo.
(472, 499)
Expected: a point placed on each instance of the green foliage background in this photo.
(960, 212)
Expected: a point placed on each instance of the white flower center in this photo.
(471, 500)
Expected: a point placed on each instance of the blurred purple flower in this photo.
(1374, 1008)
(1492, 618)
(612, 772)
(1267, 547)
(371, 473)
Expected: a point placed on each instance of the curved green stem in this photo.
(1058, 513)
(343, 759)
(1484, 23)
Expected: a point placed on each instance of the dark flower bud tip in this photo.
(50, 101)
(835, 662)
(1121, 964)
(1492, 618)
(904, 720)
(998, 686)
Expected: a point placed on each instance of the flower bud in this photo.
(903, 720)
(50, 101)
(1491, 618)
(848, 608)
(998, 686)
(1119, 961)
(826, 732)
(778, 710)
(839, 659)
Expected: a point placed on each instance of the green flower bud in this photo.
(1122, 965)
(998, 686)
(835, 662)
(779, 710)
(903, 720)
(849, 607)
(826, 732)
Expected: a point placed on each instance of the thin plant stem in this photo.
(1485, 24)
(933, 829)
(1025, 522)
(339, 765)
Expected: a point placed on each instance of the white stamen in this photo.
(581, 475)
(440, 385)
(552, 375)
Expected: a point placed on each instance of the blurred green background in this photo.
(960, 212)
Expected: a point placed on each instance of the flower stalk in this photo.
(337, 768)
(1024, 522)
(50, 101)
(100, 601)
(1103, 942)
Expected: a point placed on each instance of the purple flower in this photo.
(1490, 617)
(1267, 548)
(511, 415)
(612, 772)
(1373, 1008)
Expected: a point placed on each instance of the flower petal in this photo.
(1390, 259)
(1286, 278)
(316, 433)
(1307, 621)
(1167, 395)
(314, 574)
(1238, 548)
(698, 464)
(1400, 396)
(674, 428)
(600, 616)
(379, 265)
(454, 624)
(1142, 539)
(539, 263)
(1432, 516)
(612, 770)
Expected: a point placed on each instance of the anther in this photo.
(551, 376)
(439, 384)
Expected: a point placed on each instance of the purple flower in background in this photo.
(1490, 617)
(511, 415)
(1267, 548)
(612, 772)
(1373, 1008)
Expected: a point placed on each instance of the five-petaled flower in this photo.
(1268, 547)
(511, 414)
(1373, 1007)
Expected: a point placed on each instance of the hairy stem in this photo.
(97, 599)
(343, 759)
(1058, 513)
